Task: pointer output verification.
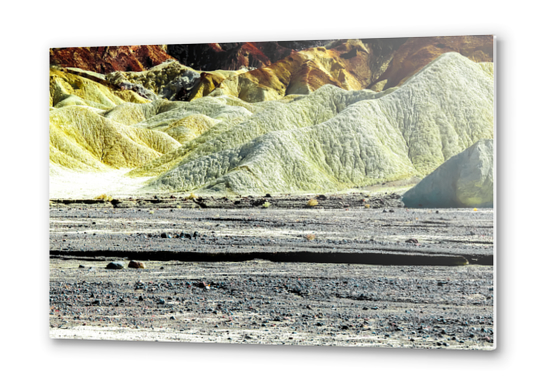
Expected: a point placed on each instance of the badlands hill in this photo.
(334, 139)
(88, 133)
(294, 126)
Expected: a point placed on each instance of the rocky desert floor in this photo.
(353, 270)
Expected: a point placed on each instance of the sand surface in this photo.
(65, 183)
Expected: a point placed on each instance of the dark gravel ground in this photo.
(265, 302)
(381, 275)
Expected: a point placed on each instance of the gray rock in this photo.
(115, 265)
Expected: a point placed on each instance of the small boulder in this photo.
(115, 265)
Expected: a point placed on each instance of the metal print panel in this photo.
(325, 193)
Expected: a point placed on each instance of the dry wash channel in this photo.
(336, 273)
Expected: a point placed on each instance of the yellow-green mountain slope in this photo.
(334, 139)
(329, 140)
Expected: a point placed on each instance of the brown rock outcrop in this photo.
(109, 59)
(417, 52)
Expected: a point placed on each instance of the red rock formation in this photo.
(109, 59)
(417, 52)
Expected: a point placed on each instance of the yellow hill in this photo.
(67, 89)
(83, 139)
